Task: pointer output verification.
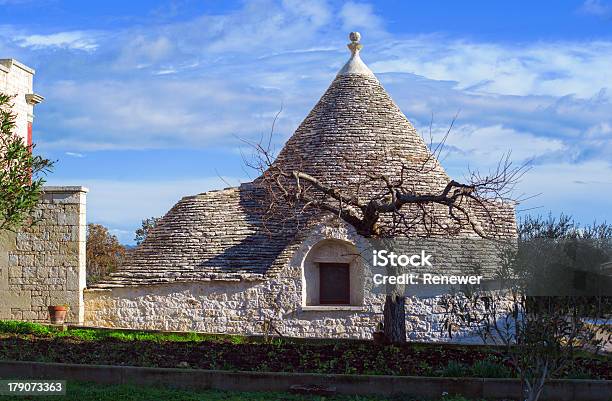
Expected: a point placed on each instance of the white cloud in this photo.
(318, 12)
(166, 71)
(74, 154)
(600, 130)
(143, 50)
(124, 236)
(157, 113)
(582, 190)
(542, 68)
(74, 40)
(359, 16)
(488, 144)
(596, 7)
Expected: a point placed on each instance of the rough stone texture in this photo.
(355, 128)
(44, 264)
(211, 236)
(242, 307)
(213, 265)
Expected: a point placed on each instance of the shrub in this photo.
(454, 369)
(21, 172)
(578, 374)
(490, 369)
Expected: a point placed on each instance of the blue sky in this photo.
(146, 101)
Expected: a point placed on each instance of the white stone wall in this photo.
(243, 307)
(44, 264)
(16, 79)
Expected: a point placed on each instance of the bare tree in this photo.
(386, 205)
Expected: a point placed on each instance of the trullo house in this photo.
(215, 264)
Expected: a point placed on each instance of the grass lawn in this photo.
(35, 342)
(78, 391)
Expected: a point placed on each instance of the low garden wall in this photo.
(427, 387)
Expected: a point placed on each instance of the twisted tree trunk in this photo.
(395, 319)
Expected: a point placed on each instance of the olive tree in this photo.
(552, 303)
(21, 171)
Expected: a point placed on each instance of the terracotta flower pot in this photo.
(57, 314)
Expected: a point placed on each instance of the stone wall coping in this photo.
(95, 289)
(196, 379)
(64, 188)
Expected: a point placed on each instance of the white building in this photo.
(16, 79)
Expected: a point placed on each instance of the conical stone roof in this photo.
(355, 130)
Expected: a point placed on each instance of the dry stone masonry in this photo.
(212, 264)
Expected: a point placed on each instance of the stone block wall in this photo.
(44, 264)
(242, 307)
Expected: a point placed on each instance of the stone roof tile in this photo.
(220, 235)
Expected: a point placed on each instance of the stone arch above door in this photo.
(329, 254)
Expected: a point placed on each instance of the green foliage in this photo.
(30, 341)
(20, 172)
(490, 369)
(542, 317)
(563, 227)
(454, 369)
(578, 374)
(11, 326)
(146, 227)
(17, 327)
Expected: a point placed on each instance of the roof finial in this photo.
(355, 46)
(355, 65)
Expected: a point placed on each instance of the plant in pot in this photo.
(57, 313)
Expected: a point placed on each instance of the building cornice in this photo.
(10, 62)
(34, 98)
